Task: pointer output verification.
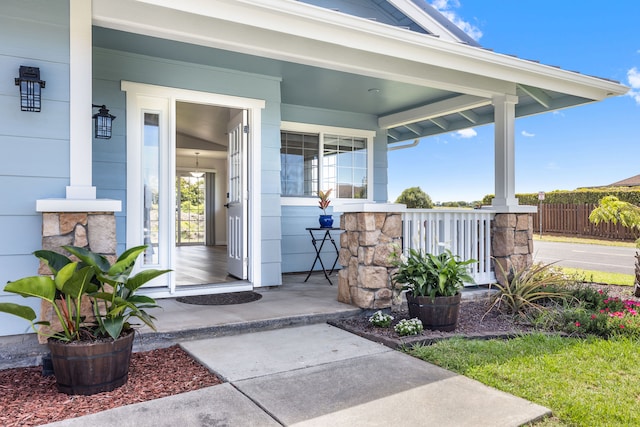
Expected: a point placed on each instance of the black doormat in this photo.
(221, 299)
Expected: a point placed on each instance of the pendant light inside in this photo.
(197, 173)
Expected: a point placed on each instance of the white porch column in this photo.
(80, 94)
(505, 116)
(80, 194)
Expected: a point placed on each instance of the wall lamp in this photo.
(30, 88)
(102, 122)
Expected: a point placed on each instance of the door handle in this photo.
(226, 205)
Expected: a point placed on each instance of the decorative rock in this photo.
(361, 297)
(68, 221)
(344, 294)
(102, 233)
(369, 238)
(384, 254)
(50, 225)
(344, 256)
(502, 242)
(366, 254)
(80, 236)
(393, 226)
(366, 221)
(372, 277)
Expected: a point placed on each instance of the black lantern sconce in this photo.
(103, 122)
(30, 88)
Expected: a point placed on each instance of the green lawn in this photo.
(563, 239)
(593, 276)
(585, 382)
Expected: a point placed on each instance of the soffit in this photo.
(328, 64)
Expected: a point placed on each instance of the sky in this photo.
(590, 145)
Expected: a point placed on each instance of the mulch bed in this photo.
(29, 399)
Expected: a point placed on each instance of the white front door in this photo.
(151, 171)
(238, 195)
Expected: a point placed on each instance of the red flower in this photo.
(578, 324)
(593, 316)
(621, 326)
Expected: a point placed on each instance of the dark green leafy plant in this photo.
(110, 290)
(432, 275)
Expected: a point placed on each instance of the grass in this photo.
(601, 276)
(563, 239)
(585, 382)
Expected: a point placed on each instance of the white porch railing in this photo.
(466, 232)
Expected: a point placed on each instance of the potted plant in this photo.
(433, 284)
(326, 221)
(93, 302)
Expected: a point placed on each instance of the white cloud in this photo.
(528, 134)
(552, 166)
(446, 7)
(466, 133)
(633, 75)
(558, 113)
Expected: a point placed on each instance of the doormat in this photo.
(221, 299)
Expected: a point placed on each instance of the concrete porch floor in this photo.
(294, 303)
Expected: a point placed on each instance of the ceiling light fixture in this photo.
(197, 173)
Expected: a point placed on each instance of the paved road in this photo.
(588, 257)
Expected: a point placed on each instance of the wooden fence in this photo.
(573, 220)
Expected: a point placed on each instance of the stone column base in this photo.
(511, 244)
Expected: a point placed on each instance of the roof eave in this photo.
(315, 23)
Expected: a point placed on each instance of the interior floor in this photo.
(199, 264)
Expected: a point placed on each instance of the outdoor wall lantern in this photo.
(103, 122)
(30, 88)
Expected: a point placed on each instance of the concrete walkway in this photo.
(283, 365)
(318, 375)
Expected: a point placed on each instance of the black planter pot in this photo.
(91, 367)
(437, 314)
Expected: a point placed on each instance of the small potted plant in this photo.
(326, 221)
(433, 284)
(92, 302)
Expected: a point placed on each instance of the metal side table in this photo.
(325, 235)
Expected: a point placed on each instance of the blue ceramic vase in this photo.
(326, 221)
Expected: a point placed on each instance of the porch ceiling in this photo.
(415, 84)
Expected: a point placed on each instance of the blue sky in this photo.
(595, 144)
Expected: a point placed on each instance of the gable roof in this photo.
(633, 181)
(414, 15)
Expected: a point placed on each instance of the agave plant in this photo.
(109, 290)
(527, 289)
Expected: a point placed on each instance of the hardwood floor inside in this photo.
(201, 265)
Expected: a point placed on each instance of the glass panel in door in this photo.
(151, 190)
(191, 219)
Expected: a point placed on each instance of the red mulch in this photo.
(29, 399)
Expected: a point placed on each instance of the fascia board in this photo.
(290, 18)
(423, 19)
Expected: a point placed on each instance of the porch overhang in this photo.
(465, 77)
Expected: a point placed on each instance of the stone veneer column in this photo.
(511, 242)
(366, 246)
(95, 231)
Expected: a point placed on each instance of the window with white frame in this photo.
(329, 158)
